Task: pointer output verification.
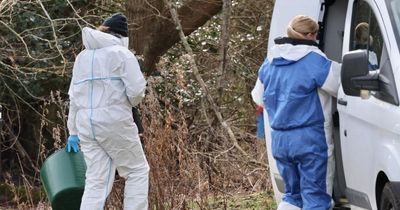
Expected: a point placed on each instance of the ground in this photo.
(256, 201)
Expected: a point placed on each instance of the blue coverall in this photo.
(297, 82)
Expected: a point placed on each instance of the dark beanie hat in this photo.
(117, 24)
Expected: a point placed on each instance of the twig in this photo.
(23, 42)
(5, 3)
(77, 14)
(55, 36)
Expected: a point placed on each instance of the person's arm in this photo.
(72, 110)
(332, 81)
(71, 119)
(134, 81)
(327, 76)
(73, 139)
(257, 93)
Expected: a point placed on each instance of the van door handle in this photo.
(341, 101)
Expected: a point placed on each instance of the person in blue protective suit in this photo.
(106, 83)
(295, 84)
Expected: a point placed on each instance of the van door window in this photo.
(366, 34)
(394, 12)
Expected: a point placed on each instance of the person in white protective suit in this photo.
(295, 84)
(106, 84)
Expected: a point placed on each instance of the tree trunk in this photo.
(142, 16)
(224, 43)
(154, 31)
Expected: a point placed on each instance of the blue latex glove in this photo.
(73, 142)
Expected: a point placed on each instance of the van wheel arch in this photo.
(390, 196)
(381, 181)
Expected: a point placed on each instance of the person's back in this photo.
(99, 67)
(291, 95)
(98, 83)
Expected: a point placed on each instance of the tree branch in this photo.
(163, 34)
(57, 45)
(203, 85)
(224, 44)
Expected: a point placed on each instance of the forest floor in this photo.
(255, 201)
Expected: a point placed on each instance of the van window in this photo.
(394, 12)
(366, 34)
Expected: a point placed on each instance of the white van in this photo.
(367, 128)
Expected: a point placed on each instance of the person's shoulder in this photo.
(317, 56)
(83, 52)
(316, 61)
(118, 48)
(121, 52)
(83, 55)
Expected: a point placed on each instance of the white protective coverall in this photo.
(106, 84)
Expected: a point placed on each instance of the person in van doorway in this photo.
(365, 41)
(295, 84)
(106, 84)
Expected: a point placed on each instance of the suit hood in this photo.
(287, 51)
(94, 39)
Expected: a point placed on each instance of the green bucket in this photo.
(63, 178)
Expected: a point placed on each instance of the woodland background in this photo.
(198, 115)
